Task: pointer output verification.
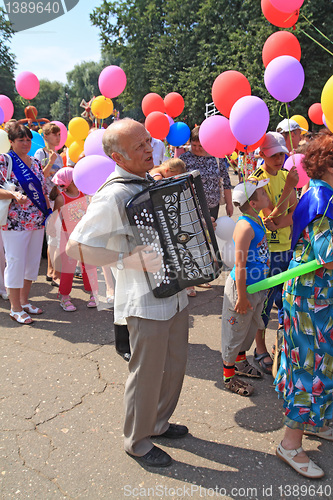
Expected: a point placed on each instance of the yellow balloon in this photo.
(327, 100)
(234, 156)
(74, 150)
(302, 122)
(70, 139)
(78, 128)
(102, 107)
(4, 142)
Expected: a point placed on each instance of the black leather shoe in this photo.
(154, 458)
(175, 431)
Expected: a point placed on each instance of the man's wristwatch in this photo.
(120, 262)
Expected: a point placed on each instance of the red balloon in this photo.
(152, 102)
(278, 18)
(157, 124)
(227, 88)
(281, 43)
(315, 113)
(253, 147)
(174, 104)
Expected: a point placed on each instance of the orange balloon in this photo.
(315, 113)
(152, 102)
(227, 88)
(252, 147)
(280, 43)
(74, 150)
(157, 124)
(278, 18)
(174, 104)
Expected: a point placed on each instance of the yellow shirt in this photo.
(279, 240)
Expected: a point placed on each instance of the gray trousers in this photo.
(157, 369)
(239, 330)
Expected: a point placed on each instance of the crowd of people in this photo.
(275, 231)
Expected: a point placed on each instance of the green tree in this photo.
(7, 59)
(169, 46)
(49, 93)
(60, 110)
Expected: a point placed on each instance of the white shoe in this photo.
(4, 296)
(328, 434)
(313, 471)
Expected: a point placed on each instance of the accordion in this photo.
(172, 216)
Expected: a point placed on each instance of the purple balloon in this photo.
(324, 121)
(249, 119)
(2, 116)
(284, 78)
(93, 143)
(171, 121)
(91, 172)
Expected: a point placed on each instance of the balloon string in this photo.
(320, 32)
(280, 114)
(289, 132)
(314, 40)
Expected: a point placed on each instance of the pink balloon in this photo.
(249, 119)
(7, 107)
(216, 137)
(284, 78)
(93, 143)
(27, 85)
(287, 5)
(63, 133)
(112, 81)
(296, 160)
(91, 172)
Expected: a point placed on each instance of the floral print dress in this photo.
(305, 377)
(25, 217)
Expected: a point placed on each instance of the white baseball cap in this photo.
(287, 125)
(244, 190)
(273, 143)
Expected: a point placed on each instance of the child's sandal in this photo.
(245, 369)
(67, 305)
(92, 302)
(239, 387)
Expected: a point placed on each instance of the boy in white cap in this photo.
(241, 314)
(278, 221)
(291, 132)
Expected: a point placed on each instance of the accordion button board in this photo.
(172, 217)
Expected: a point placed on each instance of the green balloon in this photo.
(285, 276)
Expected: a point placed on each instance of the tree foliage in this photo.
(7, 59)
(167, 46)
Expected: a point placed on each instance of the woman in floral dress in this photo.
(305, 377)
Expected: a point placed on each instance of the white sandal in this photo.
(322, 434)
(18, 317)
(313, 471)
(31, 309)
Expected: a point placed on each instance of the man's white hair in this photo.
(111, 137)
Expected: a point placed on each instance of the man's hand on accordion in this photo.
(144, 258)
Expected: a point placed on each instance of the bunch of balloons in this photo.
(159, 115)
(245, 120)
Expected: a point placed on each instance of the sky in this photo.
(54, 48)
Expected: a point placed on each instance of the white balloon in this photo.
(4, 142)
(220, 243)
(225, 228)
(228, 254)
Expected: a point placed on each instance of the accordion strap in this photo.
(121, 180)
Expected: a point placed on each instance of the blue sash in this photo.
(318, 200)
(30, 184)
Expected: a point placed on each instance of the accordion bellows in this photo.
(172, 217)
